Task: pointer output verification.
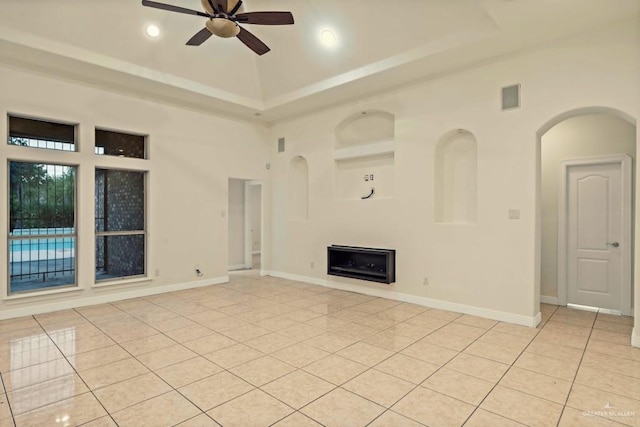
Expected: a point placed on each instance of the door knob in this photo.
(614, 244)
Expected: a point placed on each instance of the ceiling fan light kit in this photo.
(223, 18)
(223, 27)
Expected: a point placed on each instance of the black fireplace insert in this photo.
(372, 264)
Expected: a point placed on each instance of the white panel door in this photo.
(594, 235)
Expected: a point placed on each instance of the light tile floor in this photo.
(265, 351)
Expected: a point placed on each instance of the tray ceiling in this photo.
(380, 45)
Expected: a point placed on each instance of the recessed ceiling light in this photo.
(152, 31)
(328, 38)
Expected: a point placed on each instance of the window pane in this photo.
(41, 134)
(119, 144)
(119, 256)
(36, 264)
(119, 200)
(41, 204)
(41, 198)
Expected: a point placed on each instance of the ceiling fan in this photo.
(224, 17)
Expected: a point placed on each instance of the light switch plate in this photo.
(514, 213)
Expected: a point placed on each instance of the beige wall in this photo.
(490, 267)
(583, 136)
(189, 168)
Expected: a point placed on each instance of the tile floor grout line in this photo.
(6, 395)
(254, 299)
(340, 386)
(501, 377)
(146, 367)
(396, 352)
(77, 373)
(370, 368)
(153, 371)
(566, 401)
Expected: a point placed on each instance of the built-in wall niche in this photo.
(298, 201)
(364, 156)
(456, 178)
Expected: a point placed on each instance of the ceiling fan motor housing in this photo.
(231, 4)
(223, 27)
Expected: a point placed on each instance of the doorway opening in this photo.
(586, 185)
(245, 225)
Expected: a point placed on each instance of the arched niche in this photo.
(366, 127)
(456, 178)
(298, 189)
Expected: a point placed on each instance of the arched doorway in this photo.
(569, 147)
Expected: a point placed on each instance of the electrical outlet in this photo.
(425, 282)
(157, 272)
(313, 264)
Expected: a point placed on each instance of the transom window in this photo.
(41, 134)
(111, 143)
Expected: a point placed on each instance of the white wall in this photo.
(236, 223)
(189, 168)
(583, 136)
(491, 265)
(256, 217)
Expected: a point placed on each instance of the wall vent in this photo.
(511, 97)
(280, 145)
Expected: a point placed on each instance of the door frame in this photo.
(248, 242)
(625, 163)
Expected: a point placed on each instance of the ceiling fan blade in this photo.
(252, 42)
(172, 8)
(200, 37)
(222, 5)
(265, 18)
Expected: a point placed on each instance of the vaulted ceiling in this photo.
(380, 45)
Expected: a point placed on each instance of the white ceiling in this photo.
(381, 44)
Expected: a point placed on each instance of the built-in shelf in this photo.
(364, 157)
(364, 151)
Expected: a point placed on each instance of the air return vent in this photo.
(511, 97)
(280, 145)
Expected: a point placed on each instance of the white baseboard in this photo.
(635, 338)
(237, 267)
(544, 299)
(47, 307)
(414, 299)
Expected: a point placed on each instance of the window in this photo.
(120, 224)
(112, 143)
(42, 231)
(41, 134)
